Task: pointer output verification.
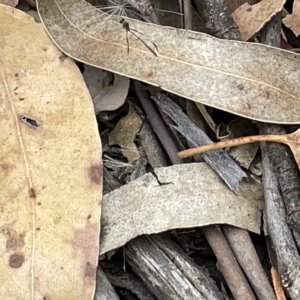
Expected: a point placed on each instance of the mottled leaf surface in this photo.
(50, 168)
(251, 80)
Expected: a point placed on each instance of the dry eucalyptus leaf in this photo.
(192, 195)
(251, 80)
(50, 168)
(12, 3)
(124, 135)
(293, 21)
(250, 19)
(108, 90)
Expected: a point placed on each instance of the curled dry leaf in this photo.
(293, 21)
(242, 78)
(144, 206)
(108, 91)
(124, 135)
(50, 168)
(251, 18)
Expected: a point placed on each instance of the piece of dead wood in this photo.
(242, 246)
(167, 272)
(244, 255)
(123, 279)
(104, 290)
(152, 147)
(218, 19)
(277, 285)
(220, 162)
(287, 172)
(280, 156)
(228, 265)
(288, 259)
(157, 124)
(110, 183)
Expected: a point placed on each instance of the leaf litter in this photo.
(116, 226)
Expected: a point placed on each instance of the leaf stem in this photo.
(233, 143)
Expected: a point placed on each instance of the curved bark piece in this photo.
(146, 206)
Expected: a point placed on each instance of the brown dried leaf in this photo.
(12, 3)
(293, 21)
(108, 91)
(50, 168)
(186, 199)
(250, 19)
(252, 80)
(124, 135)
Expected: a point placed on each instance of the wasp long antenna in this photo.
(126, 26)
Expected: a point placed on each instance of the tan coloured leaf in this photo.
(250, 19)
(293, 21)
(192, 195)
(108, 91)
(252, 80)
(12, 3)
(124, 135)
(50, 168)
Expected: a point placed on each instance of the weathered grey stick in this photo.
(168, 273)
(219, 160)
(104, 290)
(242, 246)
(286, 251)
(228, 265)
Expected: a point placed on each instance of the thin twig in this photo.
(232, 143)
(227, 263)
(277, 285)
(157, 124)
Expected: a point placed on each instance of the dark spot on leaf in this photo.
(16, 75)
(96, 173)
(266, 94)
(249, 9)
(14, 240)
(16, 260)
(90, 270)
(4, 166)
(240, 87)
(62, 57)
(150, 74)
(89, 216)
(32, 193)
